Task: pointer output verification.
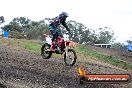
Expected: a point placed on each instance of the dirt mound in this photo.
(21, 69)
(124, 55)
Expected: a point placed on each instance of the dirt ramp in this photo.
(124, 55)
(22, 69)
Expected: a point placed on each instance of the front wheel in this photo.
(70, 57)
(45, 54)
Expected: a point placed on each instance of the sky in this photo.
(94, 14)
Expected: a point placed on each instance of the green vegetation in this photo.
(32, 46)
(108, 59)
(35, 46)
(29, 45)
(24, 28)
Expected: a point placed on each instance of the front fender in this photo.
(71, 44)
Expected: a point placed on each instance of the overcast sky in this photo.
(115, 14)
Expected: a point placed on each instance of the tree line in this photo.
(22, 27)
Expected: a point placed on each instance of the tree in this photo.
(118, 45)
(129, 41)
(80, 33)
(2, 19)
(105, 35)
(21, 26)
(12, 27)
(36, 29)
(17, 24)
(83, 35)
(77, 30)
(22, 21)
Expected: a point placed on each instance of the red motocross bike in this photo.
(61, 43)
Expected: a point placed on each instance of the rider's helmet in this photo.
(63, 15)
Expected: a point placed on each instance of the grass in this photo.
(108, 59)
(29, 45)
(22, 44)
(33, 46)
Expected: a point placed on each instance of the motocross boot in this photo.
(58, 50)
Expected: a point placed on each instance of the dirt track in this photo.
(21, 69)
(124, 55)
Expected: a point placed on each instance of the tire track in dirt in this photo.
(123, 55)
(98, 62)
(21, 69)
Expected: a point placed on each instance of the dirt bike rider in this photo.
(59, 20)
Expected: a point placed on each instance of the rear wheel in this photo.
(45, 54)
(70, 58)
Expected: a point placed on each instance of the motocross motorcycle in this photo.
(61, 43)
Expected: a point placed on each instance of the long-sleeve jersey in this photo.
(57, 21)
